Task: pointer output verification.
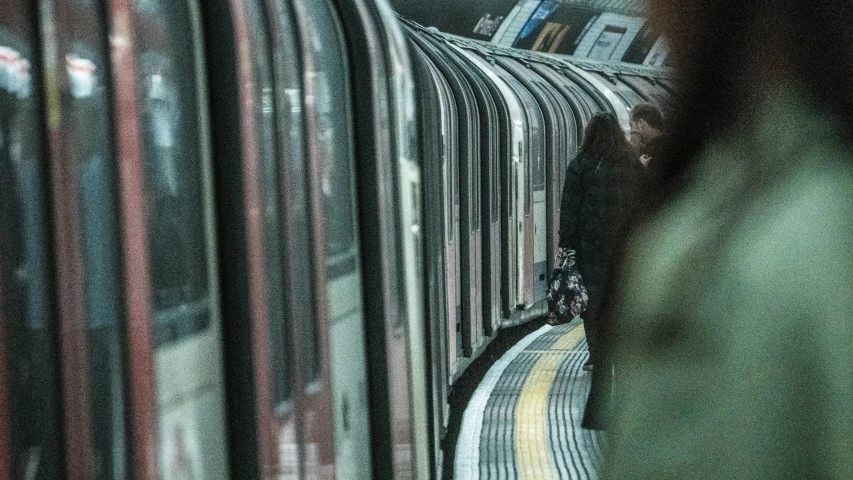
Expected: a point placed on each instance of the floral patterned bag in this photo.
(567, 295)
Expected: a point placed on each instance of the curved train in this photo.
(263, 238)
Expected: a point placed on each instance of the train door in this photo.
(558, 168)
(30, 433)
(468, 156)
(407, 170)
(389, 186)
(496, 249)
(433, 112)
(460, 143)
(469, 182)
(539, 263)
(556, 148)
(451, 234)
(329, 116)
(578, 107)
(490, 212)
(489, 265)
(134, 235)
(86, 210)
(533, 251)
(331, 167)
(171, 82)
(264, 227)
(514, 189)
(471, 175)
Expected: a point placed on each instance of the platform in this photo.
(523, 421)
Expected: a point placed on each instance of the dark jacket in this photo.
(658, 149)
(596, 201)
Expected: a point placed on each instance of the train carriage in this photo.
(437, 149)
(487, 209)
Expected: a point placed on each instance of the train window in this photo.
(495, 166)
(448, 159)
(538, 150)
(528, 176)
(529, 147)
(327, 94)
(483, 126)
(27, 321)
(174, 139)
(173, 157)
(495, 180)
(537, 132)
(338, 182)
(539, 170)
(332, 152)
(328, 88)
(476, 185)
(270, 176)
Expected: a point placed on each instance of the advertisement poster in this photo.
(555, 28)
(641, 46)
(606, 42)
(609, 36)
(657, 55)
(478, 19)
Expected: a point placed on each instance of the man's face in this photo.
(639, 135)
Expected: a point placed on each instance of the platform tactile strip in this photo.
(531, 420)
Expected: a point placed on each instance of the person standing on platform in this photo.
(734, 303)
(648, 134)
(599, 188)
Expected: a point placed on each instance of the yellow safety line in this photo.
(533, 455)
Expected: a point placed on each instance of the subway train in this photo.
(264, 238)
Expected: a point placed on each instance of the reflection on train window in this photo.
(89, 147)
(270, 178)
(189, 378)
(447, 179)
(495, 180)
(178, 253)
(476, 185)
(539, 171)
(327, 108)
(26, 308)
(337, 179)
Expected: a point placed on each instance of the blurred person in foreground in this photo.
(734, 307)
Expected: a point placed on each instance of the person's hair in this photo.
(648, 112)
(604, 138)
(728, 40)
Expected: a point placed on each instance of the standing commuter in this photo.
(599, 187)
(648, 134)
(735, 303)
